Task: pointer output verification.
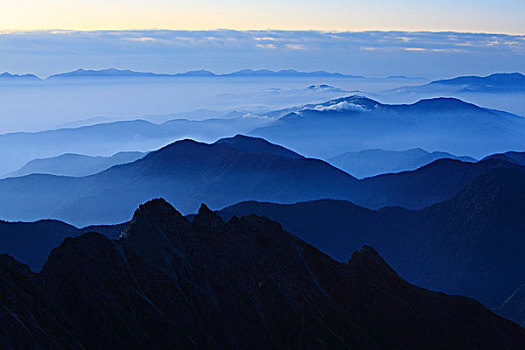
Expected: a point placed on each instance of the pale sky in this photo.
(489, 16)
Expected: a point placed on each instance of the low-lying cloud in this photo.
(171, 51)
(339, 107)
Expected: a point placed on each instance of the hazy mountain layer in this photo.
(229, 171)
(110, 138)
(499, 82)
(357, 123)
(343, 125)
(119, 73)
(70, 164)
(375, 161)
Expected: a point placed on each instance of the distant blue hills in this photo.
(350, 124)
(228, 171)
(11, 77)
(70, 164)
(356, 123)
(376, 161)
(112, 72)
(494, 83)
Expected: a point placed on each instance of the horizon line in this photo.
(4, 31)
(227, 74)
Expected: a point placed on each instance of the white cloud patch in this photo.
(265, 38)
(295, 46)
(249, 115)
(415, 49)
(340, 107)
(143, 39)
(266, 46)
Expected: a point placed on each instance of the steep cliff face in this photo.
(246, 283)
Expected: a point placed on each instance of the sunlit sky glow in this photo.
(503, 16)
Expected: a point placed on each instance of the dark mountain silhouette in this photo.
(110, 138)
(246, 283)
(71, 164)
(357, 123)
(480, 245)
(31, 242)
(471, 244)
(186, 173)
(338, 227)
(512, 157)
(427, 185)
(229, 171)
(375, 161)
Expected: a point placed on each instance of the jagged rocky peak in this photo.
(81, 249)
(8, 263)
(156, 217)
(368, 261)
(168, 284)
(207, 219)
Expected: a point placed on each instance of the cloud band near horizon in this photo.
(431, 54)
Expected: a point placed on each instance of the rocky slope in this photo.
(168, 282)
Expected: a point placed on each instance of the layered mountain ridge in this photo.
(71, 164)
(356, 123)
(471, 244)
(236, 284)
(228, 171)
(373, 162)
(349, 124)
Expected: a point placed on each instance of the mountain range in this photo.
(110, 138)
(471, 244)
(8, 77)
(500, 82)
(115, 73)
(305, 201)
(348, 124)
(358, 123)
(226, 172)
(71, 164)
(376, 161)
(31, 242)
(453, 246)
(511, 156)
(494, 83)
(186, 173)
(167, 282)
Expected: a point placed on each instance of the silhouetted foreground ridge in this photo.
(167, 282)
